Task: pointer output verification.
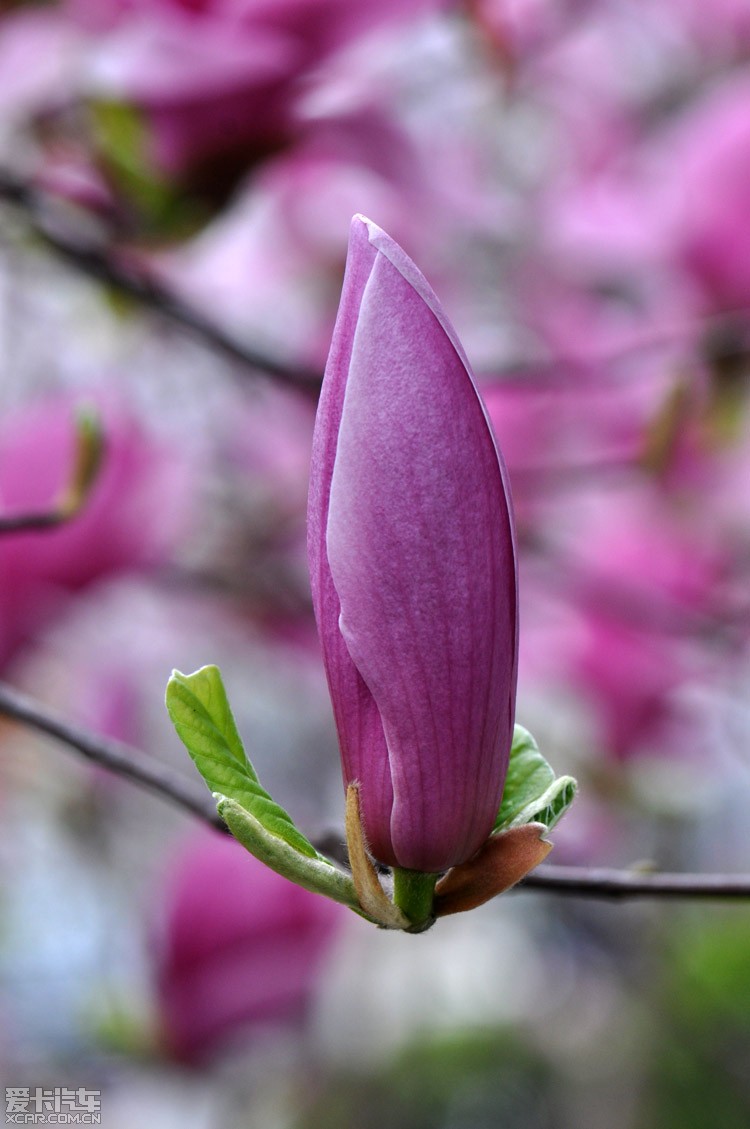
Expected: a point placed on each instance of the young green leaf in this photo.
(200, 711)
(315, 874)
(532, 793)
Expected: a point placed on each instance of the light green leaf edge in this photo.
(200, 711)
(318, 875)
(198, 706)
(532, 793)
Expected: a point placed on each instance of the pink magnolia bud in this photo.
(412, 559)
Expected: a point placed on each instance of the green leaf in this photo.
(532, 793)
(124, 140)
(316, 874)
(200, 711)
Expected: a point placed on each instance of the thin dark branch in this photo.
(108, 265)
(174, 787)
(23, 523)
(618, 885)
(103, 264)
(114, 755)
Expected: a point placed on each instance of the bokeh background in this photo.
(176, 183)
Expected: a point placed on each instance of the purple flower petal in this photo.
(413, 567)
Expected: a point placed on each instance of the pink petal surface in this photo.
(414, 572)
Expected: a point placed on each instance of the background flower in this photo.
(571, 178)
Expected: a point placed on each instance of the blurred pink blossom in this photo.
(518, 28)
(219, 75)
(646, 582)
(132, 518)
(240, 949)
(721, 29)
(40, 54)
(270, 265)
(269, 444)
(710, 163)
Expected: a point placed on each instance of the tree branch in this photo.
(116, 756)
(144, 770)
(618, 885)
(23, 523)
(104, 265)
